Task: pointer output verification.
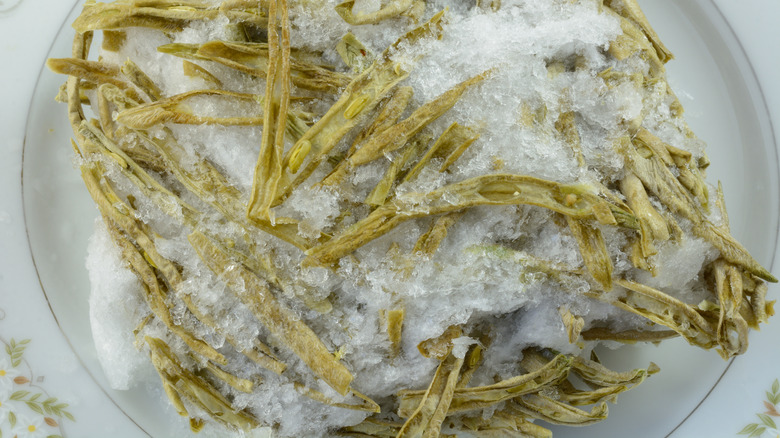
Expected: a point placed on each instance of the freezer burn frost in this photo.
(399, 218)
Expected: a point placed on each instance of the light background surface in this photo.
(27, 29)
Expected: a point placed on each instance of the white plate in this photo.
(724, 106)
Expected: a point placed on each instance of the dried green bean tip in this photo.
(298, 155)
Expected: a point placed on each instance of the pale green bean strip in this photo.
(597, 374)
(141, 80)
(113, 40)
(371, 427)
(236, 382)
(631, 10)
(253, 59)
(354, 53)
(659, 180)
(505, 423)
(195, 71)
(79, 50)
(396, 136)
(584, 398)
(394, 323)
(554, 412)
(494, 5)
(268, 169)
(174, 110)
(439, 347)
(393, 8)
(426, 420)
(361, 96)
(471, 363)
(206, 182)
(366, 404)
(274, 315)
(762, 309)
(116, 213)
(664, 310)
(465, 399)
(627, 336)
(572, 200)
(258, 353)
(653, 225)
(194, 389)
(526, 261)
(105, 112)
(633, 40)
(173, 396)
(167, 201)
(728, 285)
(96, 72)
(381, 192)
(389, 114)
(567, 127)
(572, 323)
(448, 143)
(594, 252)
(123, 228)
(429, 242)
(164, 15)
(459, 150)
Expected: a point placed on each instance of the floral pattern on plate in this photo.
(767, 424)
(26, 409)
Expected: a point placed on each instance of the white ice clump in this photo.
(115, 309)
(678, 269)
(490, 267)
